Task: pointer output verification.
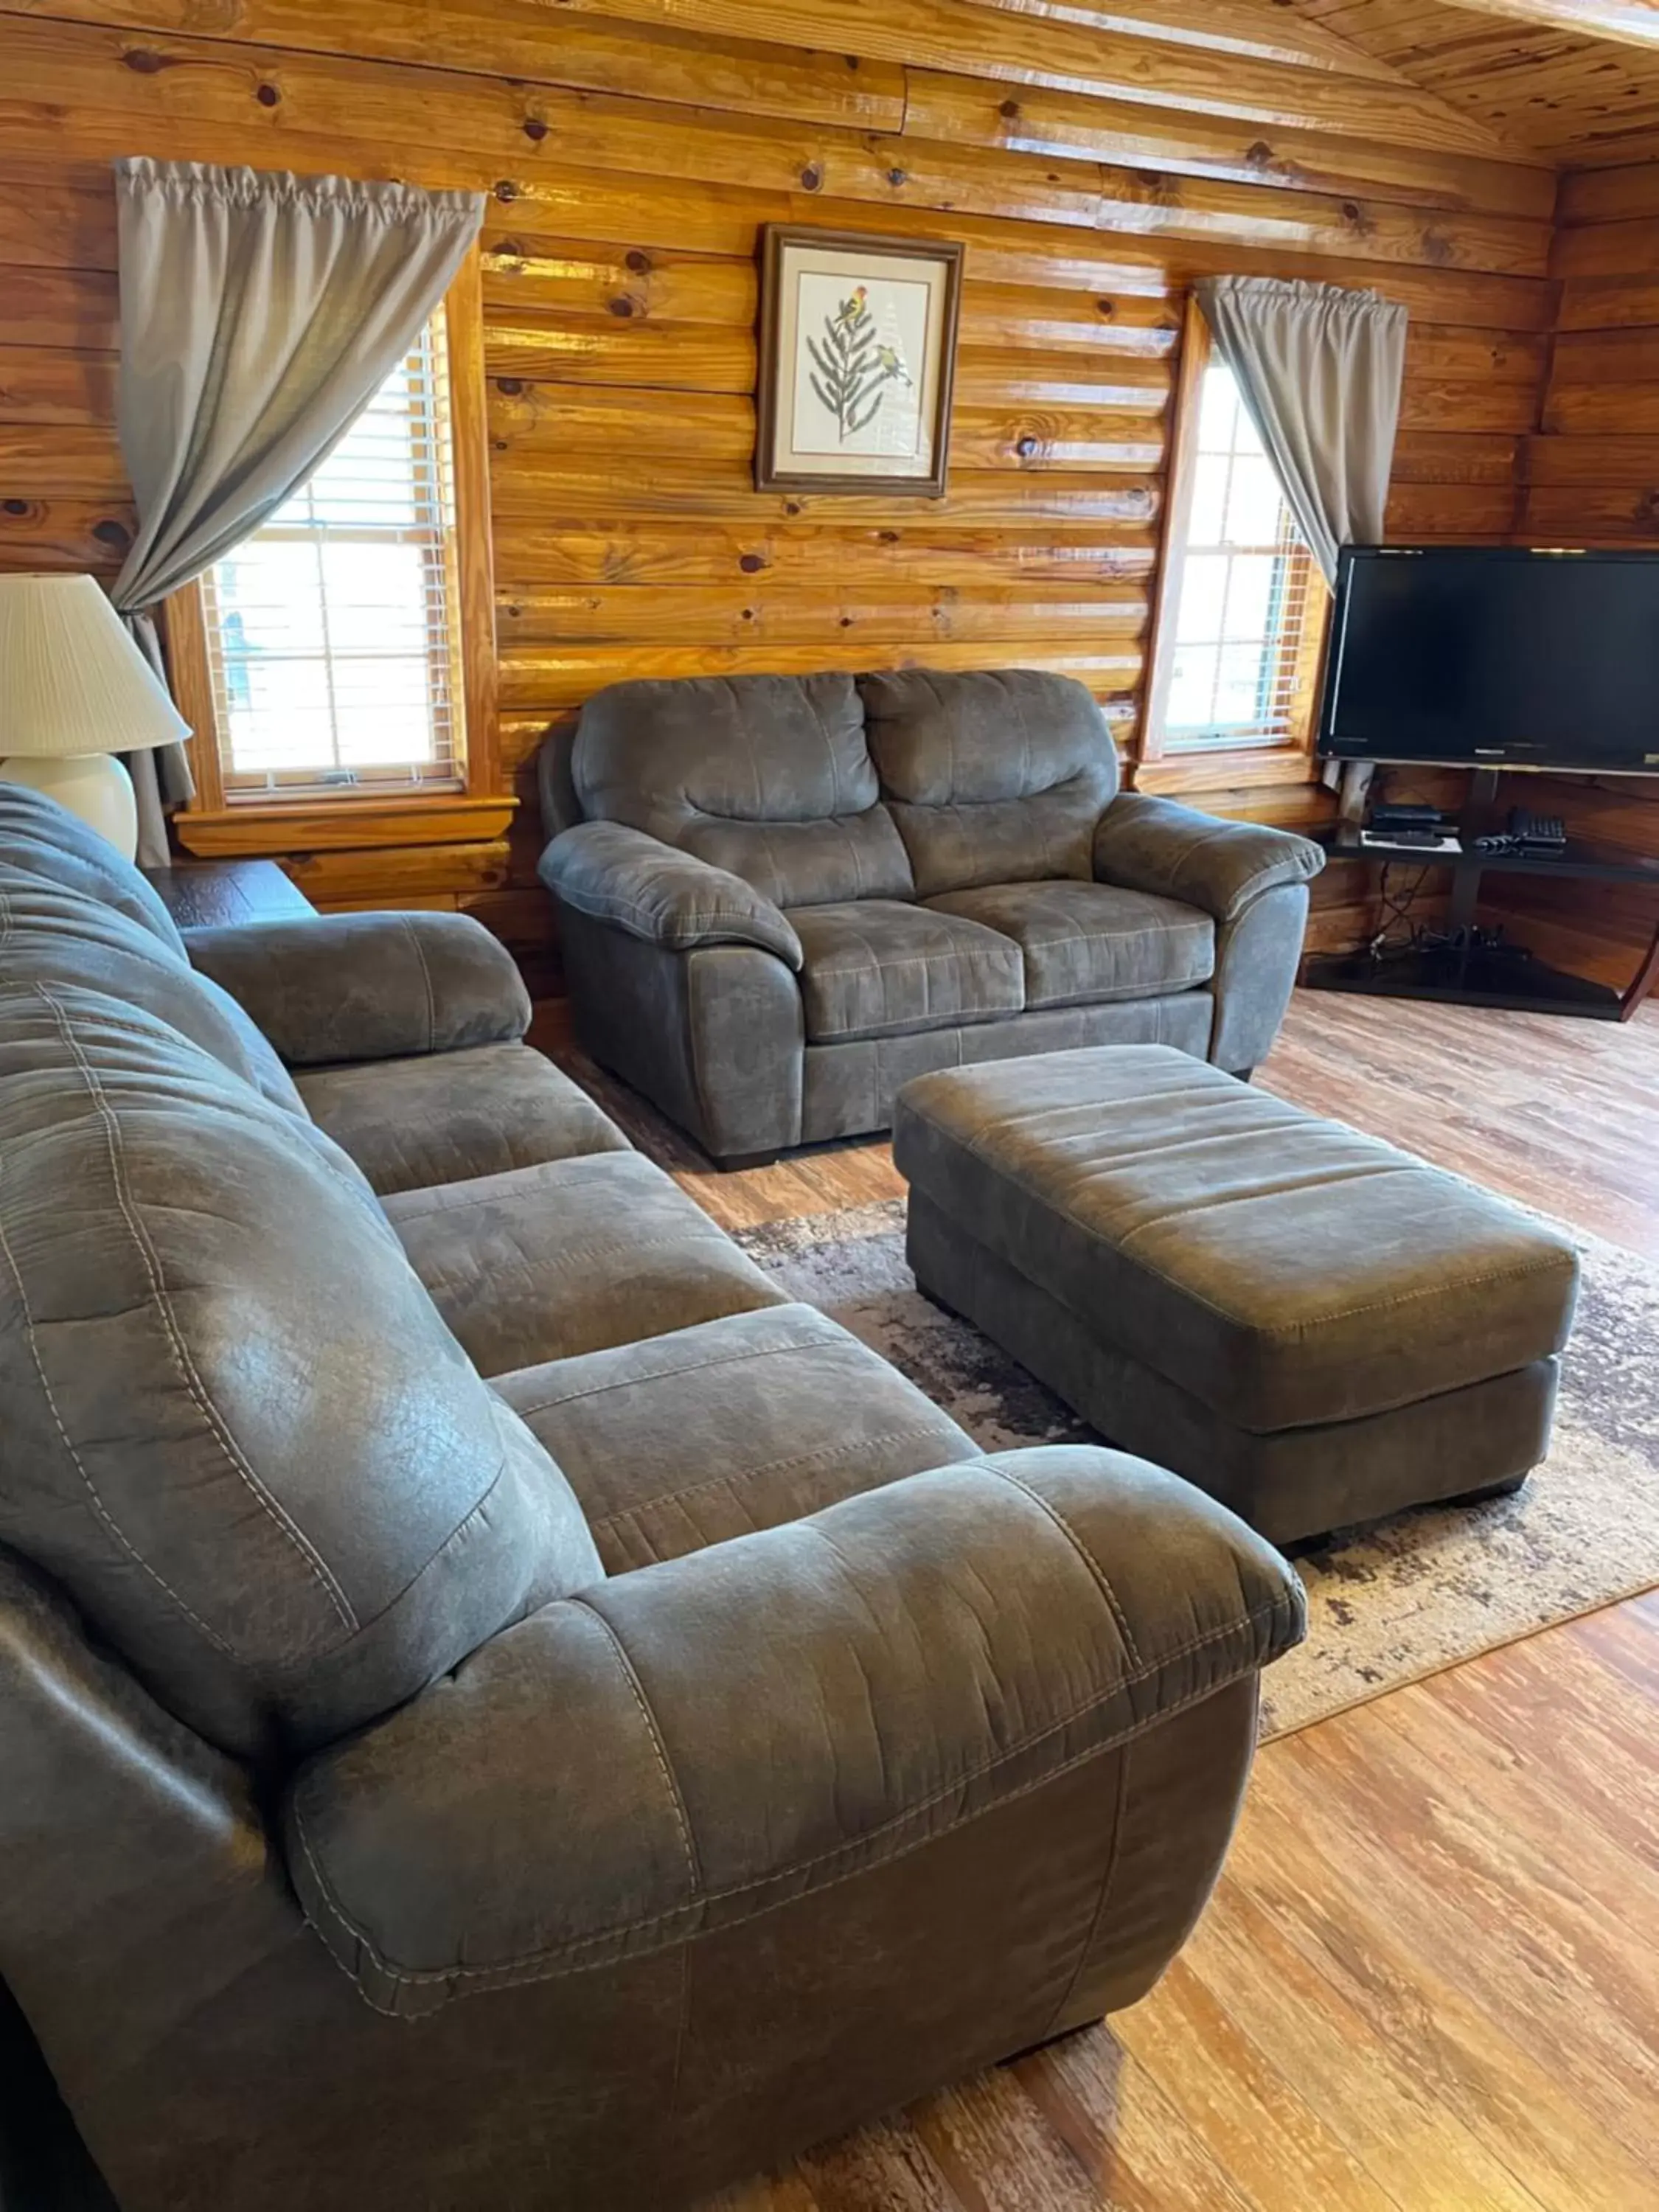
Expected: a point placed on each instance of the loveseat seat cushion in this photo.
(880, 967)
(992, 777)
(1086, 943)
(236, 1431)
(766, 776)
(738, 1425)
(547, 1262)
(448, 1116)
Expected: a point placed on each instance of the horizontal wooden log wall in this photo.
(631, 149)
(1592, 477)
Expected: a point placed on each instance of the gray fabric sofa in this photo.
(782, 897)
(498, 1707)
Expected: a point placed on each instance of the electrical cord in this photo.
(1397, 905)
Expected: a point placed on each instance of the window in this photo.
(1243, 614)
(339, 669)
(333, 634)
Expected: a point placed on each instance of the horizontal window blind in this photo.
(334, 632)
(1251, 604)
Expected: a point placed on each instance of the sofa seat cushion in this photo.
(1085, 943)
(1284, 1270)
(547, 1262)
(444, 1117)
(880, 967)
(736, 1425)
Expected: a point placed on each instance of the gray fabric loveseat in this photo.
(782, 897)
(499, 1708)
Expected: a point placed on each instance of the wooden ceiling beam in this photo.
(1620, 23)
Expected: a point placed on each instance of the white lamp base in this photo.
(95, 786)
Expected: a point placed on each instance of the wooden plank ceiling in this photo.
(1576, 80)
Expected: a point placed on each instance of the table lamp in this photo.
(75, 690)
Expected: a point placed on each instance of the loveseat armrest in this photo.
(330, 988)
(667, 897)
(1149, 844)
(685, 1749)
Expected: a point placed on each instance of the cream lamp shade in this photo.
(73, 690)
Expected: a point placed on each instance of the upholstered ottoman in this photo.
(1312, 1326)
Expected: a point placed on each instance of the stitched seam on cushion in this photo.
(949, 954)
(75, 1460)
(825, 1456)
(1099, 1913)
(658, 1748)
(664, 1374)
(414, 937)
(676, 1236)
(1018, 705)
(1287, 1330)
(186, 1367)
(438, 1550)
(1083, 1551)
(549, 1962)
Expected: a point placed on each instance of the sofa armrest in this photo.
(667, 897)
(684, 1748)
(349, 987)
(1148, 844)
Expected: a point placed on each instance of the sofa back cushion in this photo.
(52, 933)
(768, 776)
(236, 1430)
(991, 778)
(42, 838)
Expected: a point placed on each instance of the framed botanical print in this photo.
(857, 347)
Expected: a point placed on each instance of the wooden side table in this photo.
(219, 894)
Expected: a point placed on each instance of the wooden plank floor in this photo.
(1429, 1981)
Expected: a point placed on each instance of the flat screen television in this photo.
(1494, 657)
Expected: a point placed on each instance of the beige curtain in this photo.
(1319, 368)
(260, 313)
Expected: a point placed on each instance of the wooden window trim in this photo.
(1199, 768)
(483, 808)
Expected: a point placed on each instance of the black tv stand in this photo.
(1470, 967)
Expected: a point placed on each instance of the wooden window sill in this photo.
(1222, 768)
(315, 825)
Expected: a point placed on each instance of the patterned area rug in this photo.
(1389, 1604)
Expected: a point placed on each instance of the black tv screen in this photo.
(1494, 656)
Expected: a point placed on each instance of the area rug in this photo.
(1388, 1605)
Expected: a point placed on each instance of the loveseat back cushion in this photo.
(52, 933)
(992, 777)
(768, 776)
(45, 839)
(236, 1431)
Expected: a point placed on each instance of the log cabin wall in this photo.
(1593, 479)
(631, 148)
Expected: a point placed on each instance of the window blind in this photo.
(1251, 604)
(334, 632)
